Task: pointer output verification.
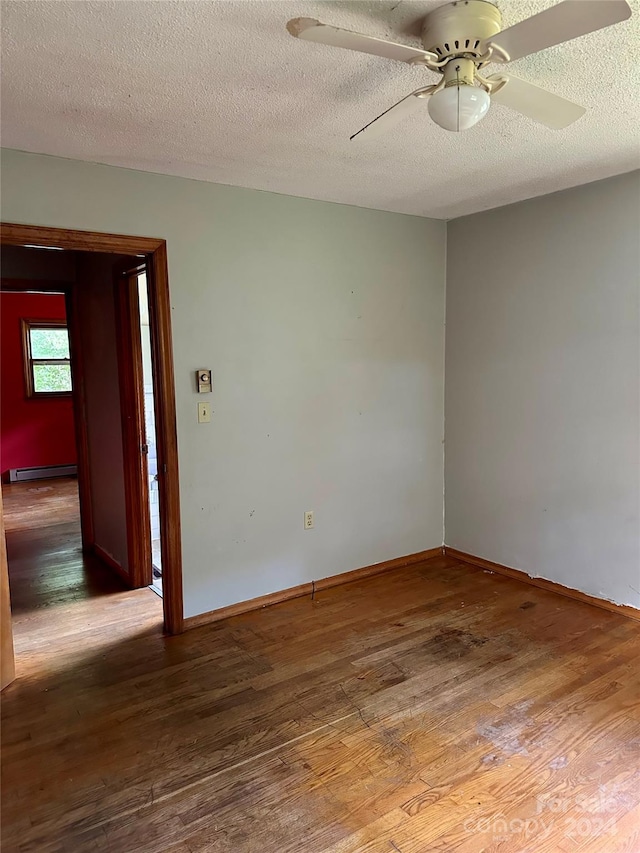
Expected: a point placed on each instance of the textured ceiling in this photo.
(219, 91)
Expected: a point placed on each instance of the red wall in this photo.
(33, 431)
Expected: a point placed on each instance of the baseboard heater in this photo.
(45, 472)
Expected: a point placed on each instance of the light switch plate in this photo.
(204, 413)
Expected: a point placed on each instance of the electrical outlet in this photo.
(204, 413)
(308, 519)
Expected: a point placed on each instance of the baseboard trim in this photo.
(109, 561)
(377, 569)
(309, 588)
(542, 583)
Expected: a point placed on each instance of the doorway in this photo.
(150, 431)
(147, 405)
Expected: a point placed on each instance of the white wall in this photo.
(542, 387)
(323, 325)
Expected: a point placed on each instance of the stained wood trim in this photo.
(249, 605)
(542, 583)
(27, 367)
(108, 560)
(136, 471)
(377, 568)
(7, 657)
(155, 252)
(309, 588)
(87, 531)
(84, 241)
(164, 397)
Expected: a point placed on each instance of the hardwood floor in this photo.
(46, 565)
(433, 708)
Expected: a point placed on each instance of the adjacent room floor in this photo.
(47, 568)
(438, 707)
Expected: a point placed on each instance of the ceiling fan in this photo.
(458, 40)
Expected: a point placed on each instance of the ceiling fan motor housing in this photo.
(461, 28)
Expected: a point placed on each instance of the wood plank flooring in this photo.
(434, 708)
(47, 567)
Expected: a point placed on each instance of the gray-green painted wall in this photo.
(542, 416)
(324, 328)
(323, 325)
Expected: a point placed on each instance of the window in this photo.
(47, 365)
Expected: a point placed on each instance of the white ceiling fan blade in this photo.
(560, 23)
(389, 118)
(538, 104)
(311, 30)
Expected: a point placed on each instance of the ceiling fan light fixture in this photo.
(459, 107)
(458, 41)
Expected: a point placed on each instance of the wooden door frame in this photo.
(7, 655)
(136, 470)
(155, 255)
(87, 532)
